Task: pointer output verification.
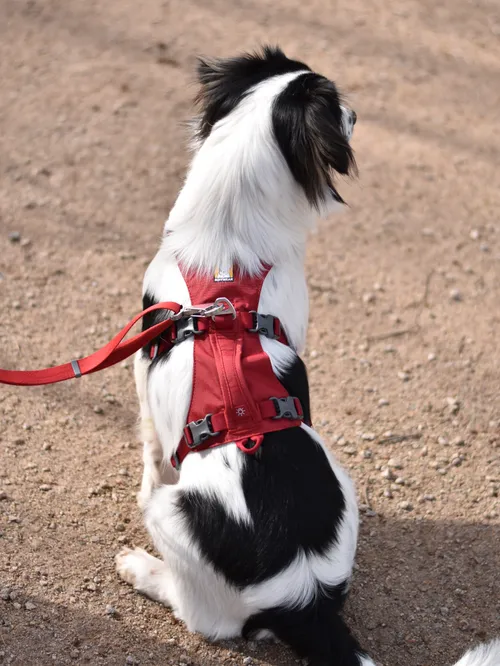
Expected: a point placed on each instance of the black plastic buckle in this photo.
(200, 431)
(286, 408)
(264, 324)
(184, 329)
(175, 462)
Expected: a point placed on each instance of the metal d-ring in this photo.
(225, 307)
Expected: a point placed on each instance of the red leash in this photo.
(115, 351)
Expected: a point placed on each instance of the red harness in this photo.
(236, 396)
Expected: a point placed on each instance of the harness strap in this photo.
(197, 433)
(115, 351)
(187, 327)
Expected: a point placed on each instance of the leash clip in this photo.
(221, 306)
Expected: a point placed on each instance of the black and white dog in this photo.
(257, 545)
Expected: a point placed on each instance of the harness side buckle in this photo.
(200, 431)
(185, 328)
(286, 408)
(265, 325)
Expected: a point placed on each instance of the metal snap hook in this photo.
(225, 307)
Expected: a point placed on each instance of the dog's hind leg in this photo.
(155, 472)
(147, 574)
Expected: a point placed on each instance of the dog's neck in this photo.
(239, 203)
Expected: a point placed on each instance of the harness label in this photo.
(224, 274)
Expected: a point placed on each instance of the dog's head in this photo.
(304, 112)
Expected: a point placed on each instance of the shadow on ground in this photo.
(401, 568)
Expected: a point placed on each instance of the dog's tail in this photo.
(483, 655)
(316, 633)
(321, 636)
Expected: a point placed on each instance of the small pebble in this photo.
(396, 464)
(431, 356)
(474, 234)
(429, 498)
(350, 450)
(3, 496)
(400, 481)
(45, 487)
(29, 605)
(111, 610)
(388, 493)
(388, 474)
(370, 297)
(15, 236)
(5, 594)
(383, 402)
(46, 446)
(456, 295)
(98, 410)
(405, 505)
(131, 661)
(404, 376)
(368, 436)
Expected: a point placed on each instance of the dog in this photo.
(257, 545)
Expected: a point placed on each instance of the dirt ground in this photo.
(403, 345)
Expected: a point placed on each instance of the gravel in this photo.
(103, 183)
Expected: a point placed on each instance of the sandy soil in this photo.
(403, 347)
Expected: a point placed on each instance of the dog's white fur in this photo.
(247, 210)
(207, 228)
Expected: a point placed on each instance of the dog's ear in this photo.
(216, 97)
(307, 123)
(224, 82)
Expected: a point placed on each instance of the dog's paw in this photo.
(137, 567)
(124, 565)
(143, 497)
